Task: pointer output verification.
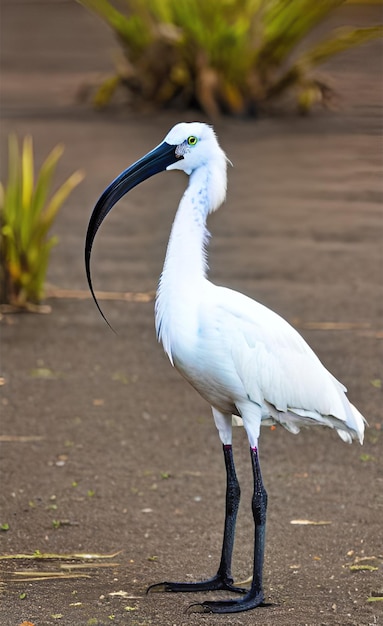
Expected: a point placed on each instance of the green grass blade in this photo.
(13, 160)
(340, 40)
(44, 178)
(60, 196)
(27, 182)
(27, 171)
(13, 189)
(10, 223)
(135, 30)
(288, 24)
(107, 12)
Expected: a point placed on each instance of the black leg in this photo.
(223, 579)
(254, 596)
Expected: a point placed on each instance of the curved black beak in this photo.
(152, 163)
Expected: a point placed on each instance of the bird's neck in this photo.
(185, 268)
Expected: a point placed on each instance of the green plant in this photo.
(27, 213)
(229, 56)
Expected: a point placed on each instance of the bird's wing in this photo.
(274, 362)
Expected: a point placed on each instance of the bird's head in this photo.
(196, 145)
(187, 147)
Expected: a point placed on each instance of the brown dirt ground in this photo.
(126, 455)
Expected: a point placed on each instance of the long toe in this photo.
(228, 606)
(157, 588)
(217, 583)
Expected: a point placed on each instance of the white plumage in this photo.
(243, 358)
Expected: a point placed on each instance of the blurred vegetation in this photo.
(223, 56)
(27, 213)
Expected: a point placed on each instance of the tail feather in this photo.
(349, 427)
(360, 422)
(354, 421)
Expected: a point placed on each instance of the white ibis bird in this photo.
(243, 358)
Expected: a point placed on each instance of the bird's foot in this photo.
(249, 601)
(216, 583)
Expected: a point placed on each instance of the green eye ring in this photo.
(192, 140)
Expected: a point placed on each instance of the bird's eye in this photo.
(192, 140)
